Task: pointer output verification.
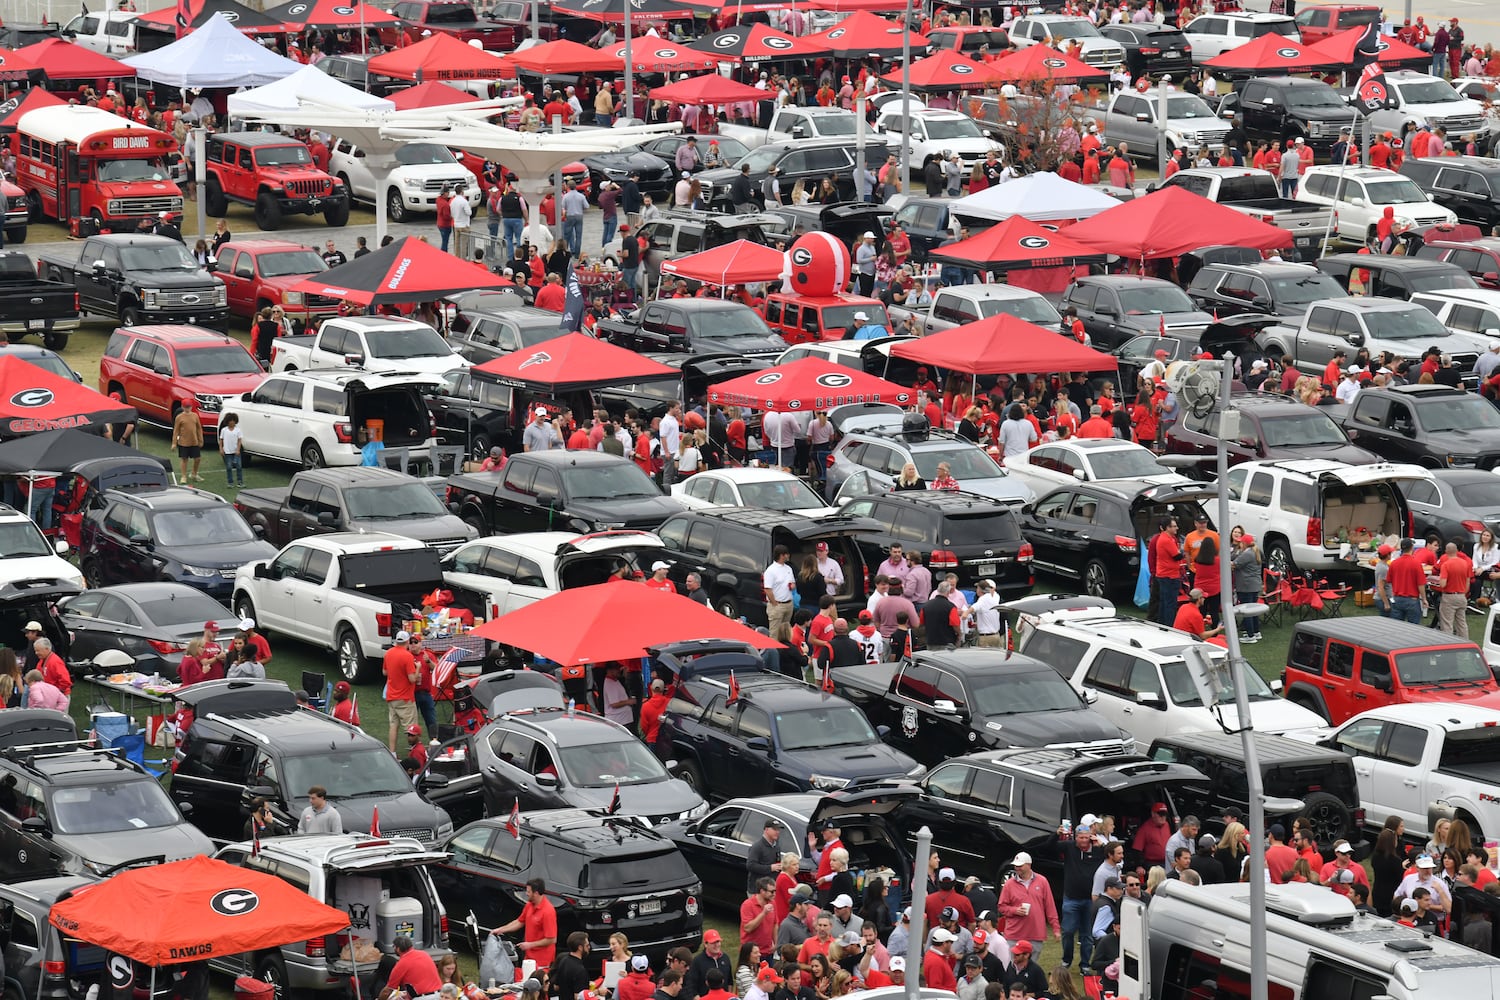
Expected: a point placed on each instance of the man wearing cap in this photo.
(1025, 971)
(540, 435)
(1349, 384)
(1423, 876)
(864, 263)
(1291, 168)
(1194, 539)
(400, 669)
(1104, 912)
(829, 567)
(345, 708)
(831, 842)
(1026, 906)
(1406, 578)
(845, 920)
(1190, 617)
(712, 957)
(1151, 839)
(937, 964)
(636, 984)
(1343, 861)
(763, 859)
(867, 329)
(658, 578)
(617, 702)
(415, 748)
(1081, 859)
(1205, 863)
(758, 915)
(793, 927)
(945, 896)
(972, 983)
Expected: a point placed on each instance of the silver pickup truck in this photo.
(970, 303)
(1255, 193)
(1132, 116)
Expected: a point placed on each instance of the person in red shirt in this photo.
(820, 630)
(1343, 861)
(758, 916)
(538, 926)
(1167, 558)
(1143, 414)
(552, 296)
(1407, 578)
(1190, 617)
(1455, 571)
(1091, 167)
(658, 578)
(937, 963)
(636, 984)
(345, 708)
(1173, 165)
(1097, 425)
(400, 669)
(1333, 371)
(415, 748)
(414, 968)
(1280, 856)
(1151, 839)
(54, 670)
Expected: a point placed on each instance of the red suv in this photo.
(1340, 667)
(17, 212)
(1325, 20)
(273, 174)
(157, 369)
(258, 273)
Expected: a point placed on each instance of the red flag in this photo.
(1010, 641)
(255, 838)
(827, 679)
(1161, 325)
(734, 690)
(614, 801)
(513, 823)
(375, 822)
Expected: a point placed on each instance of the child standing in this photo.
(230, 439)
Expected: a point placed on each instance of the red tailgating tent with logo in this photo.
(731, 264)
(439, 57)
(1268, 54)
(1004, 343)
(187, 911)
(572, 361)
(1019, 242)
(947, 71)
(1042, 62)
(863, 34)
(807, 384)
(33, 400)
(407, 270)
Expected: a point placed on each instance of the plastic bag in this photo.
(497, 961)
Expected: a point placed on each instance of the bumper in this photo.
(38, 325)
(17, 219)
(426, 201)
(311, 204)
(218, 316)
(218, 587)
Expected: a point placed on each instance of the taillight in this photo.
(1148, 51)
(432, 427)
(943, 559)
(1315, 531)
(166, 648)
(383, 622)
(54, 968)
(1358, 819)
(316, 947)
(344, 432)
(1125, 543)
(829, 460)
(1473, 526)
(1411, 525)
(77, 303)
(443, 925)
(1026, 554)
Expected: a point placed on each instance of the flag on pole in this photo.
(1161, 325)
(827, 679)
(614, 802)
(513, 823)
(375, 822)
(734, 690)
(255, 838)
(447, 668)
(573, 303)
(1010, 641)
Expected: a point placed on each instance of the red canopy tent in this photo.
(14, 66)
(1019, 243)
(33, 98)
(1042, 63)
(807, 384)
(32, 400)
(299, 14)
(864, 34)
(612, 621)
(62, 60)
(1170, 222)
(757, 42)
(1268, 54)
(429, 95)
(564, 57)
(730, 264)
(407, 270)
(572, 361)
(1004, 343)
(439, 57)
(247, 19)
(641, 11)
(657, 55)
(1338, 51)
(181, 911)
(947, 71)
(845, 6)
(710, 88)
(738, 6)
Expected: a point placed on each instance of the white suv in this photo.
(1133, 673)
(1361, 196)
(27, 553)
(1215, 34)
(422, 168)
(1474, 311)
(1057, 30)
(507, 573)
(1312, 514)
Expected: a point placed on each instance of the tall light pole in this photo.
(905, 166)
(916, 940)
(629, 71)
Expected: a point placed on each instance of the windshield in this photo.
(730, 323)
(963, 463)
(1154, 300)
(283, 156)
(185, 607)
(228, 360)
(604, 765)
(1314, 97)
(419, 153)
(1182, 690)
(279, 265)
(1032, 309)
(207, 526)
(833, 125)
(825, 726)
(1460, 413)
(1397, 191)
(1125, 463)
(953, 128)
(987, 528)
(112, 807)
(604, 482)
(1440, 281)
(787, 494)
(1187, 106)
(1415, 323)
(403, 500)
(20, 539)
(1428, 92)
(347, 774)
(729, 149)
(1480, 495)
(1306, 290)
(760, 158)
(839, 317)
(407, 342)
(1008, 693)
(1443, 666)
(171, 256)
(1309, 428)
(613, 874)
(1073, 29)
(131, 170)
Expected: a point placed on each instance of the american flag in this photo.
(447, 668)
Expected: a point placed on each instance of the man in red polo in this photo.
(1167, 560)
(1406, 578)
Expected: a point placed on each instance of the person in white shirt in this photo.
(779, 581)
(1016, 433)
(1422, 876)
(463, 214)
(670, 434)
(1348, 386)
(833, 573)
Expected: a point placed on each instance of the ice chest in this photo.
(397, 916)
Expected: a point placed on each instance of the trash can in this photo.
(250, 988)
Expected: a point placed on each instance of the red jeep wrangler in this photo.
(274, 174)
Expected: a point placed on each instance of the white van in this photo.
(1194, 941)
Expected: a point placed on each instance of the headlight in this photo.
(208, 402)
(1463, 461)
(697, 810)
(221, 294)
(828, 782)
(199, 570)
(610, 525)
(445, 829)
(614, 172)
(116, 207)
(916, 772)
(149, 298)
(411, 182)
(291, 298)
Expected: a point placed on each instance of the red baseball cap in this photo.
(1158, 807)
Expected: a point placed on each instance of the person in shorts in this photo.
(187, 436)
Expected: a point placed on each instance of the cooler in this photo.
(397, 916)
(375, 429)
(250, 988)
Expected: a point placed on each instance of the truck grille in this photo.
(171, 299)
(422, 833)
(446, 545)
(148, 206)
(1461, 123)
(1465, 362)
(436, 184)
(314, 187)
(1104, 57)
(1099, 748)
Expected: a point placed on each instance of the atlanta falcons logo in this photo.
(539, 358)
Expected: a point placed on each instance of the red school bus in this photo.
(97, 171)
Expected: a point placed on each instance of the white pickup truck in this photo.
(1426, 762)
(343, 591)
(798, 123)
(374, 343)
(970, 303)
(928, 133)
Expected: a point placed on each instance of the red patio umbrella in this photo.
(1338, 50)
(710, 88)
(757, 42)
(1004, 343)
(807, 384)
(181, 911)
(439, 57)
(656, 55)
(299, 14)
(14, 66)
(730, 264)
(1018, 242)
(572, 361)
(429, 95)
(864, 34)
(1170, 222)
(1268, 54)
(564, 57)
(612, 621)
(1042, 63)
(33, 400)
(947, 71)
(407, 270)
(62, 60)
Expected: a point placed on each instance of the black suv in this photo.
(1117, 307)
(250, 739)
(490, 324)
(39, 961)
(1094, 532)
(1278, 108)
(560, 490)
(985, 807)
(1431, 425)
(175, 533)
(1397, 277)
(808, 160)
(1322, 779)
(717, 846)
(730, 548)
(1151, 49)
(603, 874)
(780, 735)
(1283, 290)
(972, 536)
(1468, 185)
(1271, 427)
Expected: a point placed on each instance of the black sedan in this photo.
(1455, 505)
(656, 174)
(728, 153)
(152, 623)
(1151, 48)
(717, 846)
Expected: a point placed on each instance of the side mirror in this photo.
(1356, 338)
(36, 825)
(1090, 696)
(1107, 312)
(1261, 302)
(60, 547)
(943, 706)
(546, 781)
(1141, 116)
(211, 266)
(262, 571)
(1382, 684)
(1277, 686)
(245, 397)
(185, 808)
(143, 542)
(1080, 475)
(258, 530)
(326, 519)
(671, 766)
(98, 267)
(759, 744)
(1227, 116)
(258, 792)
(1149, 699)
(433, 781)
(1267, 102)
(882, 731)
(354, 359)
(1490, 276)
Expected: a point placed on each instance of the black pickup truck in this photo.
(938, 704)
(694, 326)
(137, 279)
(320, 501)
(560, 491)
(29, 304)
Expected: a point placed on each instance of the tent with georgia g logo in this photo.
(33, 400)
(571, 362)
(807, 384)
(191, 910)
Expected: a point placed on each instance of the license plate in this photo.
(1304, 241)
(649, 906)
(192, 319)
(986, 569)
(36, 324)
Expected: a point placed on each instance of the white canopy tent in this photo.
(1040, 197)
(307, 85)
(215, 55)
